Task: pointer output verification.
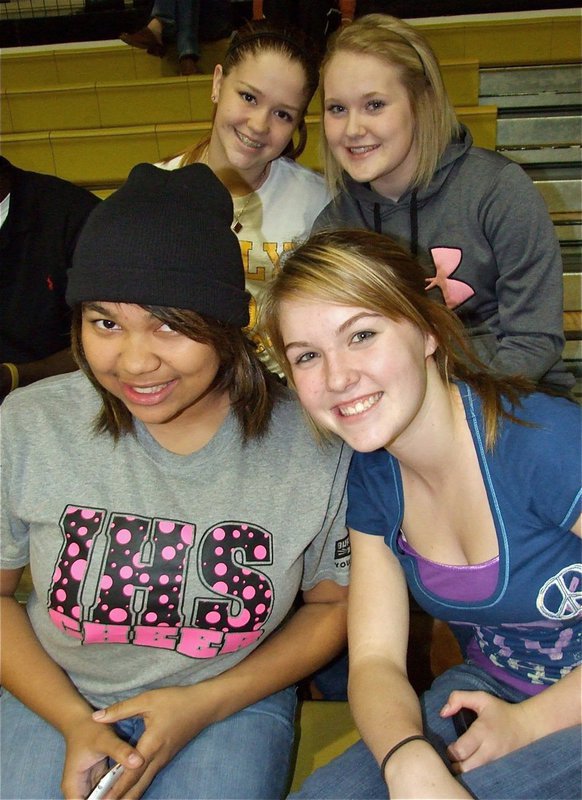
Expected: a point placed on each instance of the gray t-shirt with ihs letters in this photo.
(152, 569)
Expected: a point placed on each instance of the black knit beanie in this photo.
(163, 239)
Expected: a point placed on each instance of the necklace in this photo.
(237, 225)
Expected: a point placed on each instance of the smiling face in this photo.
(357, 373)
(163, 377)
(369, 123)
(260, 103)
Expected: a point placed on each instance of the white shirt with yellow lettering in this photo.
(273, 219)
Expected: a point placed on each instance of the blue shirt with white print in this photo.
(522, 610)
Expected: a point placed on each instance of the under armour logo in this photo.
(446, 261)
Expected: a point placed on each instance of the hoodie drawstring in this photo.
(414, 223)
(377, 218)
(413, 220)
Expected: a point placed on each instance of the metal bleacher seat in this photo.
(539, 126)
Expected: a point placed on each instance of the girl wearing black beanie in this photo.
(146, 492)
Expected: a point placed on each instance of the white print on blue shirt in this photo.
(561, 596)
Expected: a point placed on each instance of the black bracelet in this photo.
(396, 747)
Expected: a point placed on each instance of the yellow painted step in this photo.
(140, 102)
(573, 297)
(325, 729)
(102, 157)
(107, 105)
(33, 67)
(522, 38)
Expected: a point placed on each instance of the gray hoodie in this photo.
(483, 234)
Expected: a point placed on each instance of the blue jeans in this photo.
(181, 20)
(332, 680)
(244, 756)
(549, 768)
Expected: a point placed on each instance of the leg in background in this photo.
(187, 35)
(161, 25)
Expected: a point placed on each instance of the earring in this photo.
(213, 98)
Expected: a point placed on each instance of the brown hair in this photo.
(399, 45)
(252, 389)
(258, 37)
(367, 269)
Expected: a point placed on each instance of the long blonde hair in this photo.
(368, 270)
(399, 45)
(262, 36)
